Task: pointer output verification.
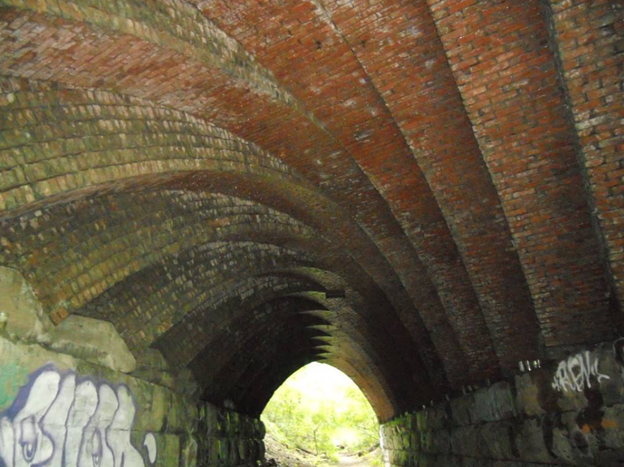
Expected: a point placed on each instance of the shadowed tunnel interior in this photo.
(420, 193)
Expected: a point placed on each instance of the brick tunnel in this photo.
(199, 197)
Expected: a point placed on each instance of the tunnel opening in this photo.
(319, 416)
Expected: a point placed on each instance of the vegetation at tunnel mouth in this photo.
(320, 411)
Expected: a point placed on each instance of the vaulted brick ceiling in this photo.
(207, 175)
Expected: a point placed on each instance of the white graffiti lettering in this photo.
(574, 373)
(58, 420)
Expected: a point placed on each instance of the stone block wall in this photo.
(229, 438)
(106, 413)
(569, 412)
(72, 395)
(55, 407)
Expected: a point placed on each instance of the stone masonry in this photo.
(570, 413)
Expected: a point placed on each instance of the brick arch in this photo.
(142, 292)
(63, 140)
(295, 229)
(186, 170)
(160, 303)
(347, 324)
(256, 386)
(373, 326)
(381, 401)
(268, 175)
(433, 243)
(372, 207)
(213, 307)
(404, 148)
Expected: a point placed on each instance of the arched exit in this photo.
(319, 415)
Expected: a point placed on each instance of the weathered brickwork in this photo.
(83, 272)
(568, 414)
(423, 99)
(267, 120)
(171, 286)
(505, 71)
(377, 147)
(182, 152)
(170, 291)
(53, 141)
(587, 37)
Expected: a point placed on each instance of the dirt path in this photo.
(352, 461)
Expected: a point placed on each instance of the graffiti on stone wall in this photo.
(60, 420)
(574, 373)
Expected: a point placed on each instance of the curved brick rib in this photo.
(121, 248)
(188, 217)
(191, 229)
(166, 292)
(587, 36)
(185, 340)
(261, 388)
(122, 125)
(398, 46)
(235, 374)
(56, 141)
(362, 124)
(498, 51)
(177, 287)
(211, 93)
(139, 324)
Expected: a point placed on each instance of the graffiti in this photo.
(574, 373)
(59, 420)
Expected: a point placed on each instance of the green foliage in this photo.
(319, 409)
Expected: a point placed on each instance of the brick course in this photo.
(505, 71)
